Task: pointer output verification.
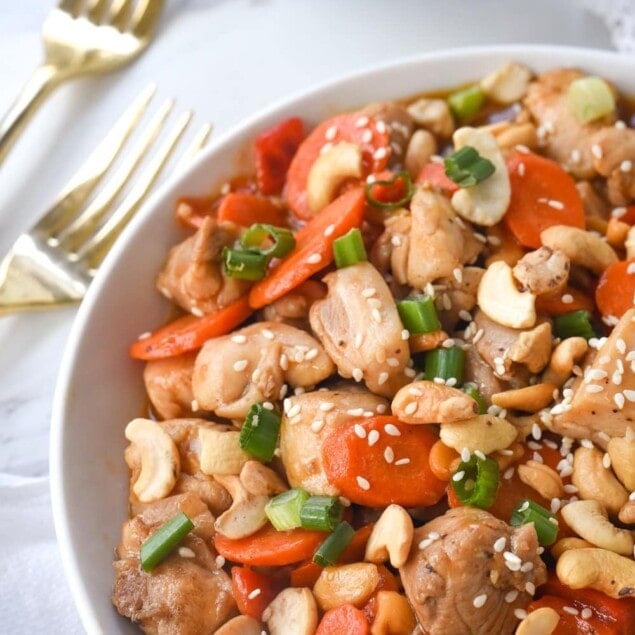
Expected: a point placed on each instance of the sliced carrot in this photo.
(189, 332)
(373, 139)
(387, 582)
(542, 195)
(343, 620)
(274, 150)
(441, 459)
(571, 299)
(246, 208)
(433, 176)
(364, 476)
(615, 291)
(254, 591)
(269, 547)
(313, 250)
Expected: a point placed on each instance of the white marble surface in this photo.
(225, 59)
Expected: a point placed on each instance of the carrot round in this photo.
(433, 176)
(189, 332)
(571, 299)
(343, 619)
(392, 469)
(246, 208)
(542, 195)
(313, 250)
(615, 290)
(372, 138)
(269, 547)
(245, 581)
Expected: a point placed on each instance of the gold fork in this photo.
(53, 263)
(81, 36)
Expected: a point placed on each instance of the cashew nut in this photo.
(154, 449)
(596, 482)
(426, 341)
(292, 612)
(622, 453)
(598, 569)
(434, 115)
(581, 247)
(421, 147)
(502, 302)
(221, 452)
(507, 84)
(391, 537)
(616, 232)
(428, 402)
(627, 513)
(486, 202)
(240, 625)
(393, 615)
(443, 460)
(541, 621)
(483, 432)
(529, 399)
(589, 519)
(329, 171)
(629, 243)
(532, 348)
(565, 544)
(346, 584)
(563, 358)
(543, 271)
(247, 512)
(544, 479)
(515, 134)
(260, 480)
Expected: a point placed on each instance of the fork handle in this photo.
(37, 89)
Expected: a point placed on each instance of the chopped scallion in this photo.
(161, 543)
(466, 167)
(280, 240)
(475, 482)
(467, 102)
(445, 363)
(349, 249)
(260, 431)
(473, 392)
(404, 177)
(418, 314)
(590, 98)
(329, 552)
(246, 265)
(322, 513)
(574, 324)
(283, 510)
(545, 523)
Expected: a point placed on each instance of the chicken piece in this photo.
(311, 417)
(544, 270)
(604, 401)
(168, 383)
(400, 125)
(187, 593)
(459, 583)
(252, 364)
(192, 276)
(594, 205)
(478, 372)
(620, 186)
(438, 241)
(359, 326)
(456, 295)
(293, 308)
(564, 138)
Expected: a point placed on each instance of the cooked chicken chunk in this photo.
(193, 277)
(311, 417)
(399, 124)
(459, 577)
(359, 326)
(169, 385)
(544, 270)
(456, 295)
(187, 593)
(478, 372)
(252, 364)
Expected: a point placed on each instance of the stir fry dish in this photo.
(397, 391)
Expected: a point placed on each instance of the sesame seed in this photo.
(405, 334)
(313, 259)
(596, 151)
(361, 121)
(411, 408)
(626, 166)
(373, 437)
(376, 315)
(465, 455)
(327, 147)
(458, 476)
(597, 374)
(317, 425)
(220, 562)
(606, 460)
(479, 601)
(594, 388)
(620, 344)
(570, 610)
(240, 365)
(382, 378)
(530, 587)
(480, 454)
(267, 405)
(392, 430)
(536, 432)
(381, 408)
(294, 410)
(329, 229)
(586, 613)
(426, 542)
(457, 272)
(266, 333)
(527, 566)
(363, 483)
(239, 338)
(575, 156)
(186, 552)
(522, 148)
(380, 153)
(389, 454)
(403, 461)
(367, 136)
(511, 596)
(358, 340)
(510, 556)
(381, 127)
(499, 544)
(520, 614)
(567, 298)
(331, 133)
(327, 406)
(358, 374)
(618, 398)
(521, 169)
(359, 431)
(620, 124)
(555, 204)
(254, 594)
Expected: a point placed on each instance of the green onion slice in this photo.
(474, 392)
(418, 314)
(407, 180)
(349, 249)
(475, 482)
(467, 102)
(283, 510)
(574, 324)
(246, 265)
(161, 543)
(445, 363)
(545, 523)
(322, 513)
(259, 434)
(590, 98)
(466, 167)
(281, 240)
(331, 549)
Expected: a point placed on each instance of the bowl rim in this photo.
(548, 54)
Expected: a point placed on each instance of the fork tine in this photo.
(73, 7)
(119, 15)
(77, 231)
(96, 10)
(94, 250)
(197, 144)
(83, 182)
(145, 16)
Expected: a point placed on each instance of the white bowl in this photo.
(100, 388)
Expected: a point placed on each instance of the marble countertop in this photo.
(225, 59)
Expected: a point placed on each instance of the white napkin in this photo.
(619, 17)
(28, 552)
